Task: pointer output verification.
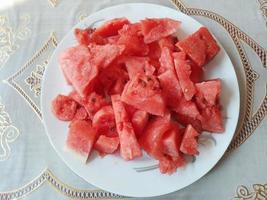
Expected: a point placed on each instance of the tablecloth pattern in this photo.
(30, 31)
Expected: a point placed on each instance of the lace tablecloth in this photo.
(30, 31)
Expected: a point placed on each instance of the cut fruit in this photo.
(64, 108)
(129, 147)
(81, 138)
(139, 121)
(189, 143)
(106, 145)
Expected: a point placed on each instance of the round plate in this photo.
(139, 178)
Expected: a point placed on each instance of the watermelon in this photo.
(81, 114)
(208, 93)
(81, 138)
(171, 89)
(143, 92)
(154, 50)
(139, 121)
(166, 61)
(111, 27)
(104, 121)
(154, 29)
(135, 65)
(201, 47)
(129, 147)
(189, 143)
(77, 68)
(196, 75)
(92, 103)
(151, 139)
(132, 40)
(168, 42)
(106, 145)
(211, 119)
(183, 71)
(83, 35)
(64, 108)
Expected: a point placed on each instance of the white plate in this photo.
(111, 173)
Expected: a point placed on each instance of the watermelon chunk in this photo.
(139, 121)
(104, 121)
(211, 119)
(81, 114)
(201, 47)
(189, 143)
(144, 93)
(77, 68)
(151, 140)
(111, 27)
(92, 103)
(183, 71)
(208, 93)
(129, 147)
(196, 75)
(137, 65)
(166, 61)
(171, 89)
(154, 29)
(132, 40)
(64, 108)
(168, 42)
(83, 35)
(169, 165)
(81, 138)
(154, 50)
(106, 145)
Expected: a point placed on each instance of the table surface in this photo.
(30, 31)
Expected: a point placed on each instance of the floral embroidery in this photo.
(8, 133)
(9, 36)
(259, 192)
(35, 78)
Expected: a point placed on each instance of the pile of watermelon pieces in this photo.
(136, 87)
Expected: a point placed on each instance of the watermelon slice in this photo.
(201, 47)
(211, 119)
(154, 29)
(81, 138)
(166, 61)
(143, 92)
(111, 27)
(129, 147)
(81, 114)
(106, 145)
(171, 89)
(135, 65)
(132, 40)
(168, 42)
(154, 50)
(189, 143)
(64, 108)
(169, 165)
(139, 121)
(83, 35)
(183, 71)
(104, 121)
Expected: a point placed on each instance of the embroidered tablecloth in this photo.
(30, 31)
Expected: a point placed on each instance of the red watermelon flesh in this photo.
(129, 147)
(143, 92)
(166, 61)
(154, 50)
(92, 103)
(168, 42)
(135, 65)
(151, 139)
(64, 108)
(139, 121)
(183, 71)
(103, 55)
(106, 145)
(196, 75)
(83, 35)
(171, 89)
(132, 40)
(77, 68)
(168, 165)
(208, 93)
(81, 114)
(113, 39)
(111, 27)
(211, 119)
(81, 138)
(154, 29)
(189, 143)
(104, 121)
(201, 47)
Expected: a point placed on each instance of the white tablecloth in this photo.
(30, 31)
